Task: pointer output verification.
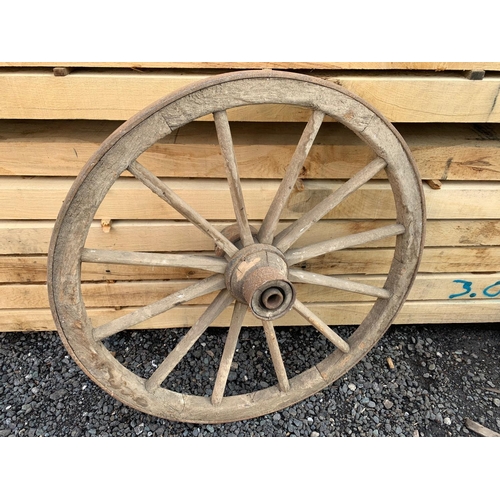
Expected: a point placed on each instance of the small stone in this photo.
(496, 402)
(314, 434)
(298, 423)
(432, 367)
(447, 421)
(58, 394)
(388, 404)
(351, 387)
(26, 408)
(276, 417)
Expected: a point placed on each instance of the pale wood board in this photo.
(348, 313)
(118, 95)
(263, 150)
(480, 429)
(427, 66)
(32, 237)
(39, 199)
(141, 293)
(33, 269)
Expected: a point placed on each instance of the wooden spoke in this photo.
(165, 193)
(203, 287)
(308, 252)
(279, 367)
(270, 286)
(205, 262)
(292, 233)
(239, 312)
(321, 326)
(181, 349)
(233, 178)
(268, 228)
(299, 276)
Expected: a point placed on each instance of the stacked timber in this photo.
(50, 125)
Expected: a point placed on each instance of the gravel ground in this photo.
(440, 375)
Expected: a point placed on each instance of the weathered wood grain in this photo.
(118, 95)
(33, 269)
(230, 345)
(61, 148)
(233, 177)
(274, 350)
(197, 289)
(290, 178)
(166, 194)
(480, 429)
(121, 294)
(350, 313)
(32, 237)
(41, 199)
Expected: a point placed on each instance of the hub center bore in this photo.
(272, 298)
(257, 275)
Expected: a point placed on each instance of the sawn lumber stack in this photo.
(50, 125)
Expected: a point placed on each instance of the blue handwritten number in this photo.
(488, 294)
(466, 285)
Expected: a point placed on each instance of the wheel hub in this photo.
(257, 275)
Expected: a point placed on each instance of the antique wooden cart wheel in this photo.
(253, 268)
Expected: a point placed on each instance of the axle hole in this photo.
(272, 298)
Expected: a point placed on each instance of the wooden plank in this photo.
(426, 66)
(32, 269)
(41, 199)
(141, 293)
(480, 429)
(350, 313)
(434, 260)
(61, 148)
(118, 95)
(32, 237)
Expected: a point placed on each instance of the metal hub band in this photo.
(258, 276)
